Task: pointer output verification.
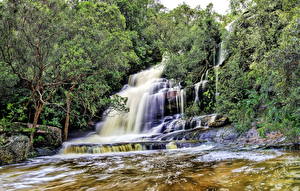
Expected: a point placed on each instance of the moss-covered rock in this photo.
(15, 150)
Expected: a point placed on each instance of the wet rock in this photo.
(205, 119)
(269, 140)
(45, 152)
(175, 125)
(15, 150)
(252, 134)
(226, 135)
(168, 118)
(218, 121)
(284, 146)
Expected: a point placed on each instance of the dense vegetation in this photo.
(261, 77)
(61, 61)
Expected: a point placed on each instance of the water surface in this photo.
(200, 168)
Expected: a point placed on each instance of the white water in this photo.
(137, 93)
(201, 84)
(220, 60)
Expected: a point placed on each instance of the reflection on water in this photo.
(180, 169)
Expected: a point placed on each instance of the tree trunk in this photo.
(38, 111)
(67, 122)
(68, 112)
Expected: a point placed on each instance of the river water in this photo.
(197, 168)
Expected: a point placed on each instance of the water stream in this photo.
(220, 60)
(198, 168)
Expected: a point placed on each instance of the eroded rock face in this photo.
(15, 150)
(252, 137)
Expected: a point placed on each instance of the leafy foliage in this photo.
(261, 76)
(190, 39)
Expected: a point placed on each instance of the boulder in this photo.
(15, 150)
(45, 136)
(44, 152)
(218, 121)
(51, 137)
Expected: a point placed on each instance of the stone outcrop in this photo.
(16, 150)
(218, 121)
(18, 147)
(51, 136)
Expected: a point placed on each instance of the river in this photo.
(197, 168)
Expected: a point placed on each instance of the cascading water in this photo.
(156, 115)
(147, 95)
(156, 106)
(220, 60)
(144, 101)
(201, 84)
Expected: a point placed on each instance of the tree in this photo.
(191, 37)
(30, 32)
(97, 53)
(138, 15)
(56, 49)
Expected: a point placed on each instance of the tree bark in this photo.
(67, 122)
(68, 112)
(38, 111)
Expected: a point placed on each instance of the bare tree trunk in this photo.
(38, 111)
(67, 122)
(68, 112)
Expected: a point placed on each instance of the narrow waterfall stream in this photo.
(220, 60)
(153, 147)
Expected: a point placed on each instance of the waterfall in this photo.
(220, 60)
(182, 100)
(139, 96)
(155, 116)
(202, 84)
(148, 96)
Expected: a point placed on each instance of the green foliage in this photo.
(38, 139)
(119, 103)
(56, 53)
(261, 77)
(52, 116)
(3, 140)
(192, 110)
(139, 14)
(4, 123)
(190, 38)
